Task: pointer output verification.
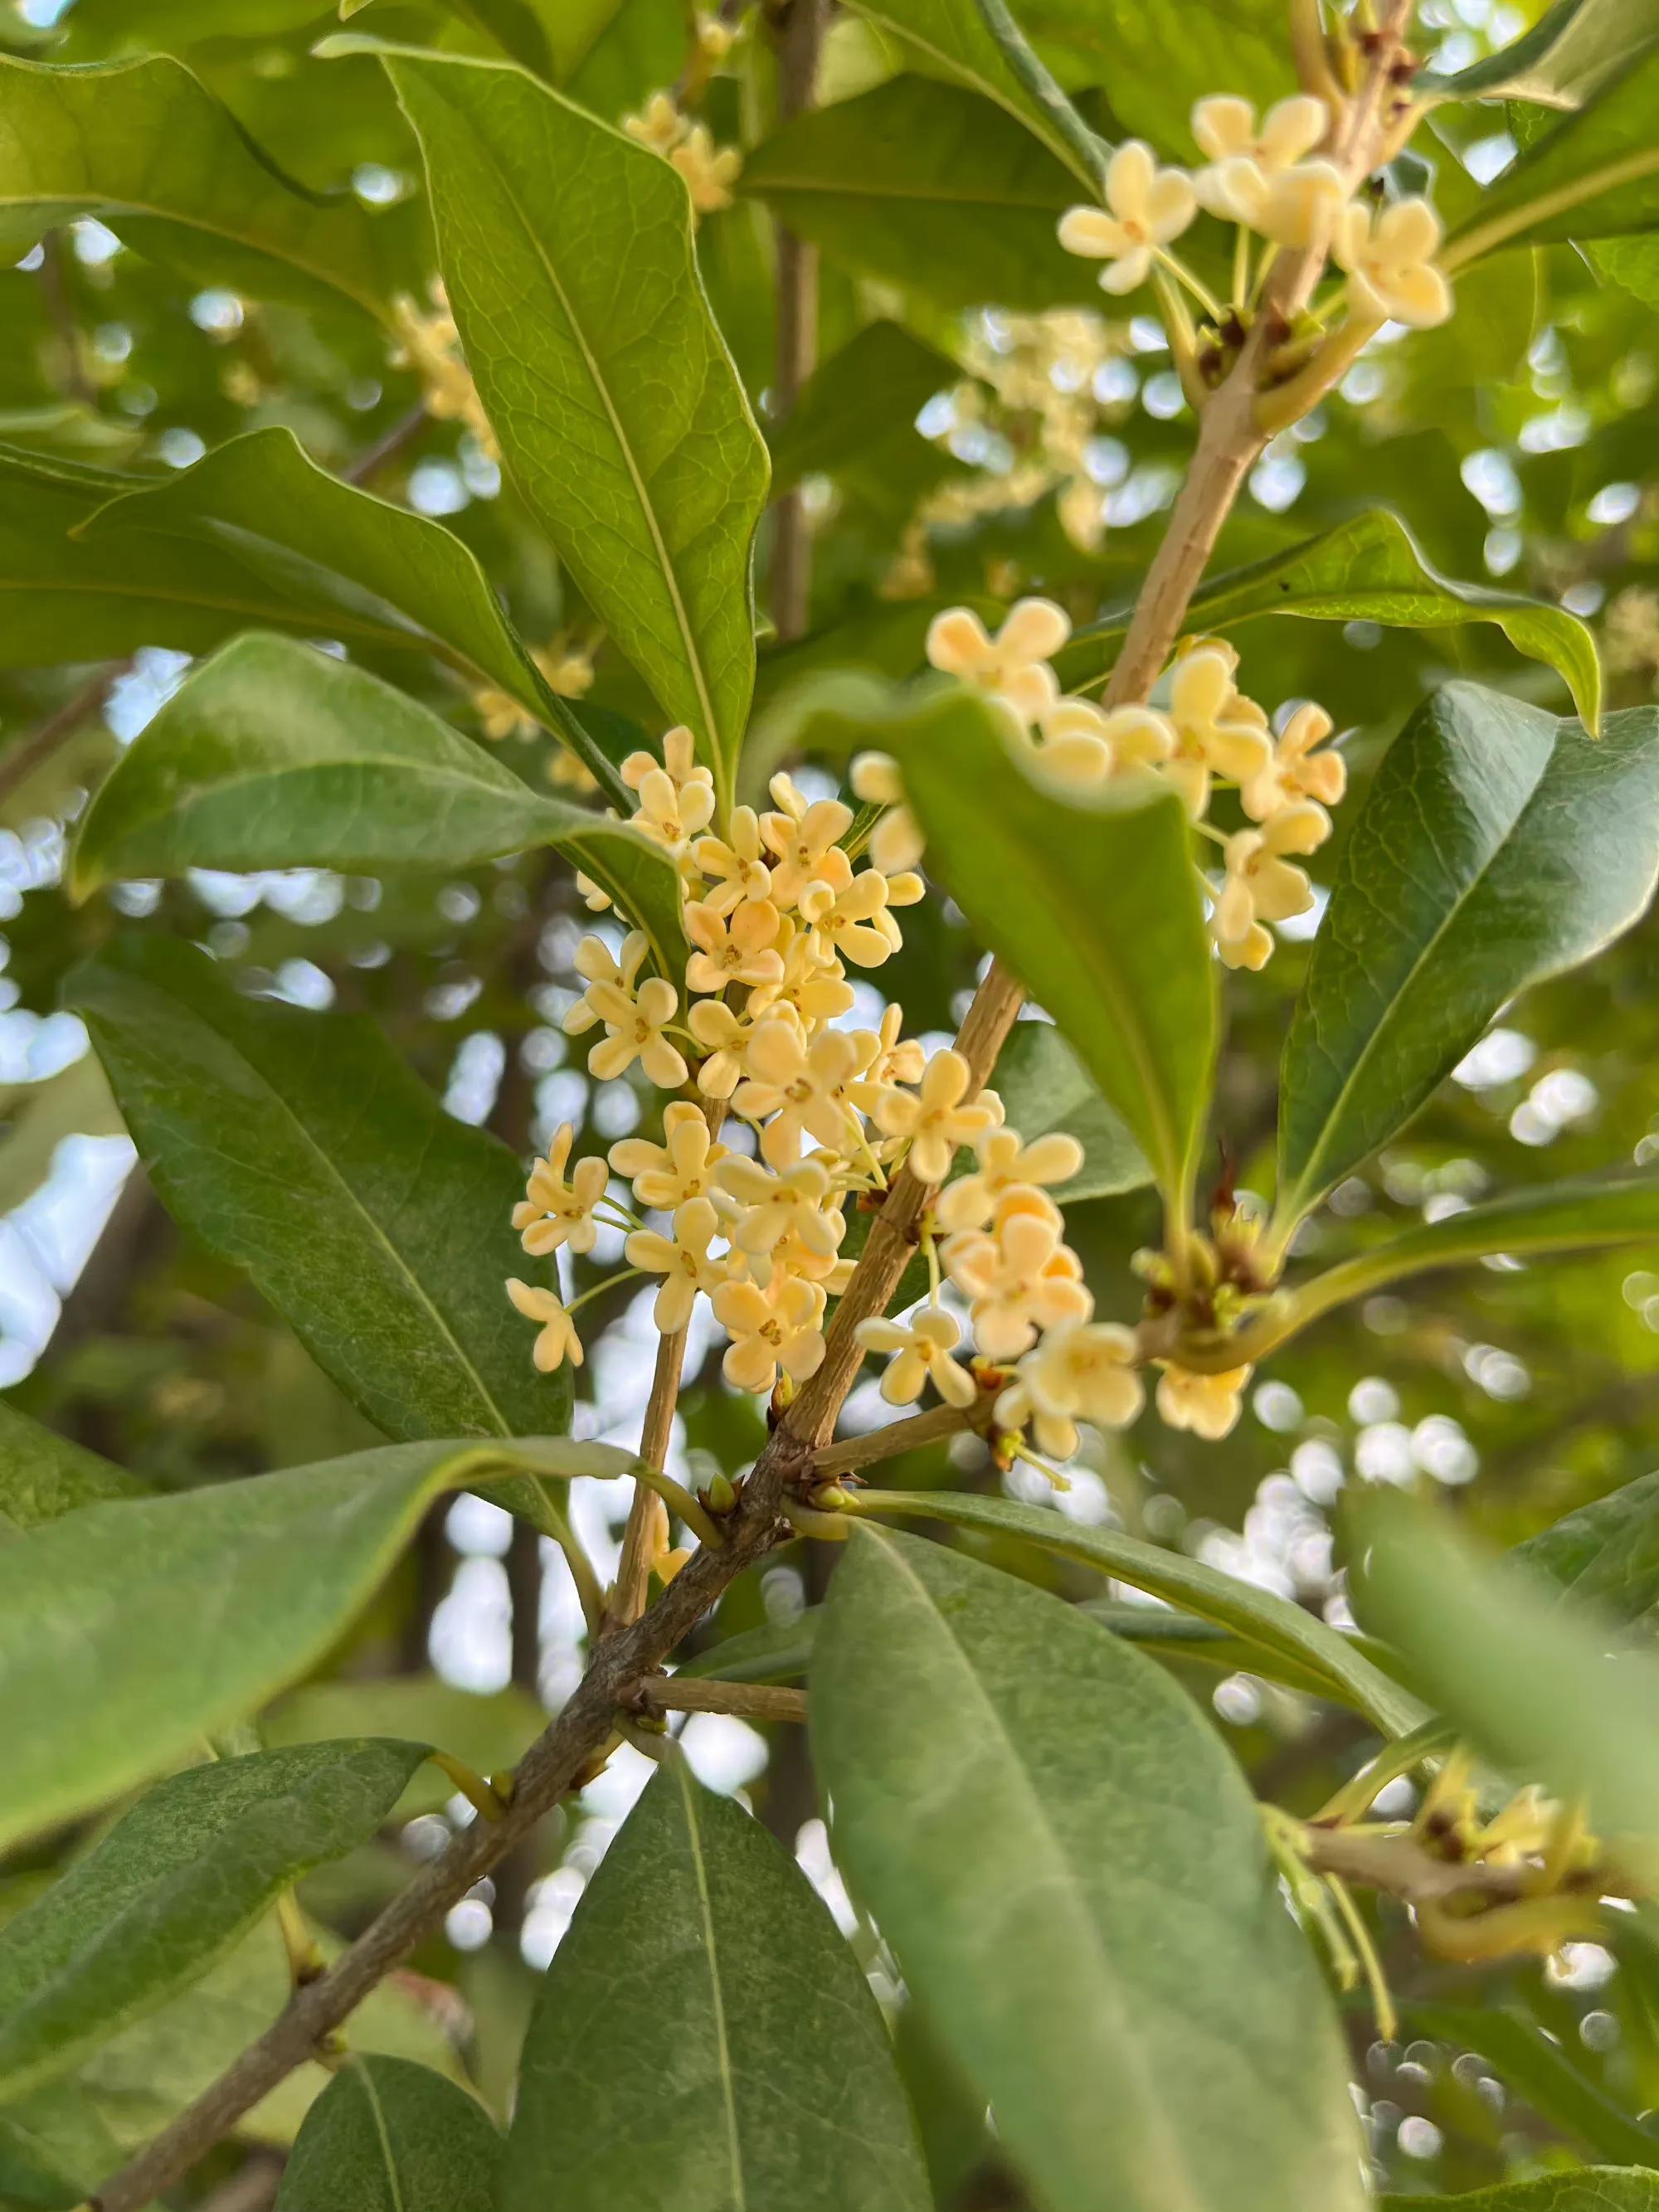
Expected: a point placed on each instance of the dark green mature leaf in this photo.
(43, 1476)
(776, 1653)
(1368, 569)
(1100, 1930)
(387, 2137)
(1607, 1553)
(174, 1885)
(928, 186)
(129, 1630)
(299, 1147)
(491, 1730)
(1562, 61)
(700, 1960)
(1497, 846)
(144, 146)
(272, 754)
(1093, 901)
(865, 396)
(344, 563)
(1272, 1624)
(1595, 175)
(567, 252)
(978, 41)
(1539, 1685)
(1595, 2189)
(1043, 1086)
(1536, 2064)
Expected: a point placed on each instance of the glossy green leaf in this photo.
(1593, 2189)
(44, 1476)
(1595, 175)
(926, 186)
(1092, 900)
(1539, 2067)
(174, 1885)
(387, 2137)
(699, 1960)
(1562, 61)
(272, 754)
(1153, 62)
(1043, 1086)
(777, 1653)
(567, 252)
(1256, 1616)
(1366, 569)
(978, 42)
(1099, 1930)
(1607, 1553)
(146, 148)
(867, 396)
(299, 1147)
(1541, 1687)
(131, 1630)
(343, 563)
(1497, 846)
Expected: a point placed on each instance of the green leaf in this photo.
(700, 1961)
(1270, 1624)
(1607, 1553)
(342, 563)
(1537, 2065)
(1564, 60)
(1497, 846)
(387, 2137)
(1594, 2189)
(272, 754)
(1099, 1923)
(978, 42)
(926, 186)
(299, 1147)
(1368, 569)
(146, 148)
(129, 1630)
(616, 405)
(1092, 900)
(172, 1887)
(511, 24)
(1595, 175)
(43, 1476)
(1539, 1685)
(1153, 62)
(868, 395)
(490, 1732)
(1043, 1086)
(776, 1653)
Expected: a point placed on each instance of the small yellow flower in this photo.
(1021, 1278)
(724, 1035)
(557, 1340)
(1086, 745)
(1261, 885)
(796, 1202)
(672, 815)
(1080, 1372)
(813, 986)
(800, 1086)
(1219, 731)
(633, 1018)
(1224, 129)
(740, 950)
(659, 125)
(709, 172)
(1263, 180)
(895, 1058)
(735, 863)
(679, 760)
(770, 1327)
(559, 1210)
(1148, 207)
(1007, 1163)
(804, 841)
(1208, 1405)
(938, 1118)
(848, 913)
(501, 716)
(668, 1175)
(683, 1260)
(922, 1350)
(1012, 666)
(1297, 770)
(1389, 258)
(897, 842)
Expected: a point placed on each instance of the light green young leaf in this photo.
(43, 1476)
(272, 754)
(699, 1960)
(1539, 2067)
(567, 248)
(1595, 175)
(1548, 1691)
(1562, 61)
(1607, 1553)
(515, 26)
(926, 186)
(131, 1630)
(299, 1147)
(146, 148)
(1594, 2189)
(1272, 1625)
(1497, 846)
(1366, 569)
(1092, 900)
(1044, 1087)
(172, 1887)
(387, 2137)
(979, 42)
(1104, 1926)
(343, 563)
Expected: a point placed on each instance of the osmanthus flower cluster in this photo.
(710, 171)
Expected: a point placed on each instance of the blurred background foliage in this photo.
(977, 429)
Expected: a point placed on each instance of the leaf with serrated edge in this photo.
(174, 1885)
(699, 1960)
(1497, 846)
(389, 2136)
(1110, 1963)
(272, 754)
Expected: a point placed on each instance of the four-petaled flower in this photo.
(558, 1339)
(556, 1209)
(738, 948)
(1007, 1163)
(937, 1117)
(1297, 770)
(670, 1175)
(897, 842)
(1389, 258)
(803, 836)
(1149, 208)
(922, 1348)
(1219, 731)
(1013, 665)
(770, 1327)
(634, 1019)
(735, 862)
(1208, 1405)
(1020, 1277)
(1080, 1372)
(790, 1202)
(801, 1086)
(683, 1260)
(1261, 885)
